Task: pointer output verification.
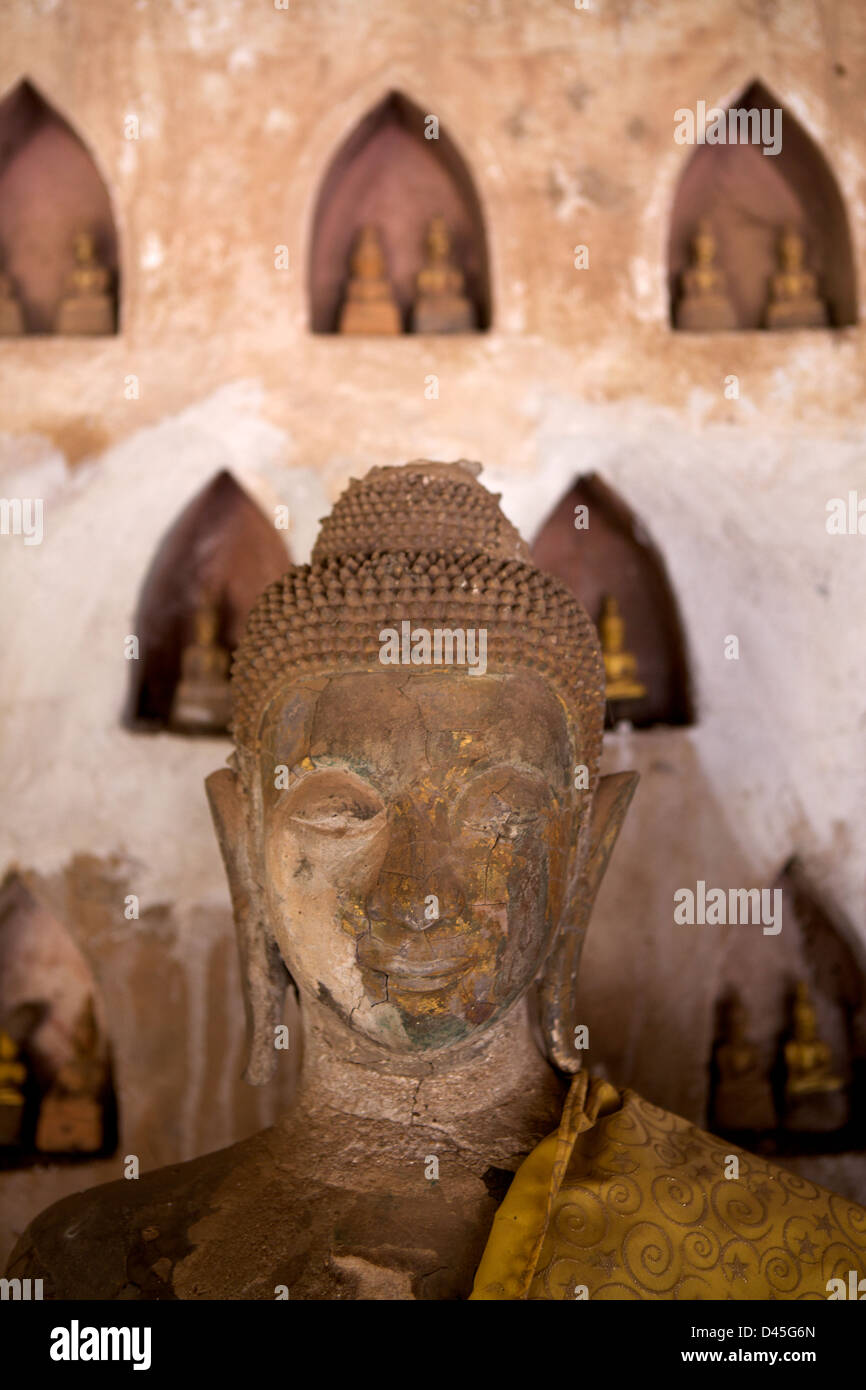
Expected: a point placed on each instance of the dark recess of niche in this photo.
(835, 971)
(616, 556)
(40, 966)
(221, 546)
(50, 189)
(836, 962)
(386, 172)
(748, 197)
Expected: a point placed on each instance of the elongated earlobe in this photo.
(558, 985)
(263, 974)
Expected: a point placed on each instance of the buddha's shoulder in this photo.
(686, 1172)
(121, 1240)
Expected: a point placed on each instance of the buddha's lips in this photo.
(411, 966)
(418, 979)
(430, 967)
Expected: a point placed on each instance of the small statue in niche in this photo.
(87, 307)
(815, 1095)
(704, 306)
(13, 1075)
(620, 665)
(440, 303)
(11, 318)
(794, 300)
(369, 306)
(71, 1115)
(743, 1097)
(202, 700)
(448, 1033)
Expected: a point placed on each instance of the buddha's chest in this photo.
(413, 1241)
(399, 1231)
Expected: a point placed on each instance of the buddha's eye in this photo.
(334, 802)
(505, 822)
(502, 807)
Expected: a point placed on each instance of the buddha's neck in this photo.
(502, 1072)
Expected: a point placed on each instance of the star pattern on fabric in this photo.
(807, 1248)
(620, 1161)
(823, 1224)
(606, 1260)
(702, 1171)
(763, 1190)
(737, 1268)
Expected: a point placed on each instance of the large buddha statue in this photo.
(794, 300)
(87, 306)
(410, 847)
(703, 305)
(441, 305)
(369, 305)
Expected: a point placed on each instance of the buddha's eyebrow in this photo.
(356, 766)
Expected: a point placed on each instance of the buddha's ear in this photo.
(558, 984)
(263, 974)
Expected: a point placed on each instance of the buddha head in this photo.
(408, 831)
(805, 1019)
(704, 244)
(791, 250)
(205, 623)
(84, 247)
(368, 258)
(438, 240)
(611, 627)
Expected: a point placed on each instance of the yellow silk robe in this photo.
(626, 1201)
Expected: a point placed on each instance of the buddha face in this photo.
(414, 847)
(791, 250)
(84, 247)
(439, 239)
(368, 257)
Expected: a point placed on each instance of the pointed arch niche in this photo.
(221, 550)
(387, 173)
(615, 557)
(748, 198)
(51, 1011)
(819, 946)
(50, 190)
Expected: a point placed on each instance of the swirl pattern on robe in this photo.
(637, 1204)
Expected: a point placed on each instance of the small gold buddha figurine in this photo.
(620, 665)
(87, 307)
(13, 1075)
(743, 1097)
(794, 300)
(11, 318)
(440, 303)
(815, 1096)
(704, 306)
(71, 1115)
(369, 306)
(202, 700)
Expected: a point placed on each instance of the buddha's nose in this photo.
(416, 887)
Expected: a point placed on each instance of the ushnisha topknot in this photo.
(394, 549)
(418, 506)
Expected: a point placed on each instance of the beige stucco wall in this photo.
(566, 121)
